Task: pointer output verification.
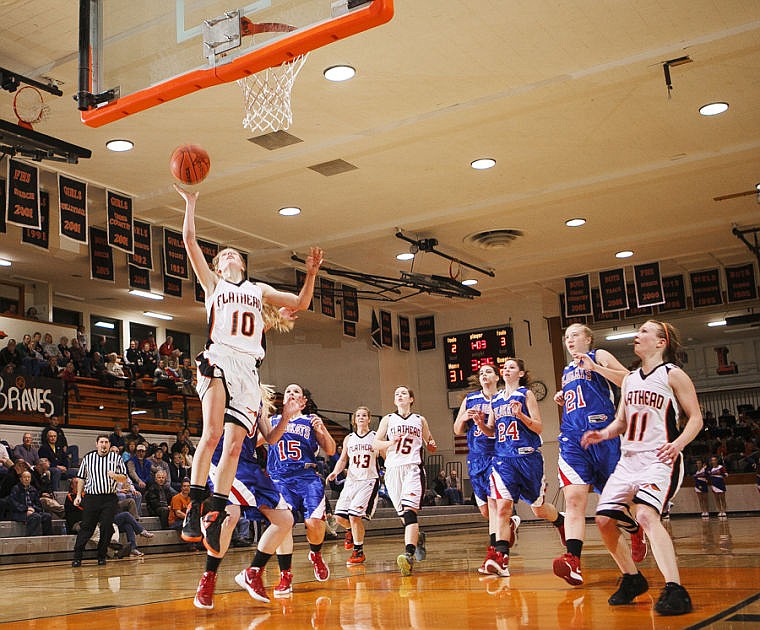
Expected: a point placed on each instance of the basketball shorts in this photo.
(581, 466)
(405, 485)
(251, 487)
(304, 493)
(479, 469)
(640, 478)
(240, 374)
(358, 498)
(514, 478)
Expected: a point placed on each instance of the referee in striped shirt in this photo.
(98, 474)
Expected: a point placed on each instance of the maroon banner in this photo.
(404, 334)
(327, 297)
(566, 321)
(740, 283)
(350, 304)
(349, 329)
(674, 289)
(635, 311)
(648, 282)
(175, 256)
(172, 287)
(139, 278)
(210, 250)
(612, 290)
(41, 237)
(424, 328)
(599, 315)
(577, 296)
(3, 225)
(72, 209)
(101, 256)
(300, 279)
(705, 288)
(120, 227)
(386, 329)
(22, 200)
(142, 242)
(374, 332)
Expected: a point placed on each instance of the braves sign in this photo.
(32, 395)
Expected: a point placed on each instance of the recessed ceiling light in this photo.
(721, 322)
(5, 263)
(404, 256)
(109, 325)
(626, 253)
(120, 145)
(339, 73)
(713, 109)
(146, 294)
(469, 283)
(158, 315)
(577, 222)
(290, 211)
(483, 164)
(616, 336)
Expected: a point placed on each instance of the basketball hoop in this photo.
(29, 106)
(266, 95)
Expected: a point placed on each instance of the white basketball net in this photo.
(266, 96)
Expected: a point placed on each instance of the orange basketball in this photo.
(190, 163)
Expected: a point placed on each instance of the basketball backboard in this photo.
(142, 53)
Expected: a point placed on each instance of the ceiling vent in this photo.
(492, 239)
(333, 167)
(275, 140)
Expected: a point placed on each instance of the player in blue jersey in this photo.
(587, 403)
(292, 465)
(473, 413)
(517, 471)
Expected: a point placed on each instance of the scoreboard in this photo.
(465, 353)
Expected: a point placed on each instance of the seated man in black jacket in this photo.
(25, 507)
(158, 496)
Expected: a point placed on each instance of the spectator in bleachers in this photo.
(162, 378)
(130, 450)
(117, 437)
(12, 477)
(82, 340)
(454, 488)
(150, 341)
(183, 437)
(134, 434)
(134, 359)
(149, 359)
(43, 482)
(178, 505)
(130, 500)
(115, 375)
(25, 507)
(166, 349)
(51, 368)
(56, 458)
(72, 513)
(31, 313)
(33, 362)
(69, 377)
(50, 349)
(437, 495)
(187, 456)
(128, 525)
(80, 359)
(26, 450)
(157, 462)
(64, 350)
(98, 368)
(158, 497)
(6, 463)
(188, 377)
(138, 468)
(54, 424)
(177, 472)
(10, 357)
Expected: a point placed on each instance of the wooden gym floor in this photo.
(720, 562)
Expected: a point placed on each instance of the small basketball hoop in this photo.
(266, 95)
(29, 106)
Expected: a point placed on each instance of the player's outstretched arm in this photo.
(206, 277)
(340, 465)
(324, 439)
(291, 300)
(460, 424)
(430, 444)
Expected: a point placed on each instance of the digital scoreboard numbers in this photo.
(467, 352)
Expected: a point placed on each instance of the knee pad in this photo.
(410, 518)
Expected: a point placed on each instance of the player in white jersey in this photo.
(358, 498)
(401, 436)
(228, 382)
(650, 469)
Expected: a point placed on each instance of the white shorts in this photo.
(640, 478)
(405, 486)
(358, 498)
(239, 373)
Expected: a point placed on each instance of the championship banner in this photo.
(139, 278)
(386, 329)
(424, 328)
(350, 304)
(740, 283)
(22, 199)
(210, 250)
(648, 282)
(635, 311)
(120, 228)
(674, 289)
(172, 287)
(564, 320)
(3, 225)
(612, 290)
(327, 297)
(175, 256)
(300, 279)
(72, 209)
(41, 237)
(32, 395)
(143, 243)
(374, 332)
(705, 288)
(577, 296)
(349, 329)
(404, 334)
(101, 256)
(601, 316)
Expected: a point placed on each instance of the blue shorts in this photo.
(519, 478)
(305, 493)
(479, 469)
(251, 487)
(581, 466)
